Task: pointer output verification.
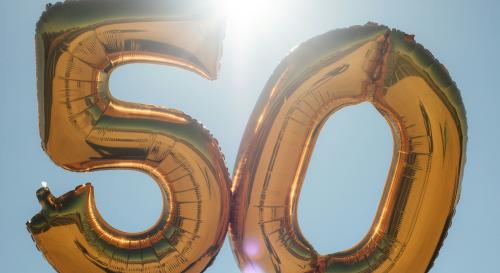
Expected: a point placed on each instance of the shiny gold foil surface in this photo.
(417, 97)
(83, 128)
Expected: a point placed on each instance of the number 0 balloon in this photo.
(83, 128)
(340, 68)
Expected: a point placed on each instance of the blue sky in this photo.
(340, 182)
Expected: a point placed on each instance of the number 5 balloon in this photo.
(84, 128)
(340, 68)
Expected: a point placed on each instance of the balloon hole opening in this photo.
(345, 178)
(164, 85)
(129, 201)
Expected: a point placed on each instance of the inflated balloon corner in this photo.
(83, 128)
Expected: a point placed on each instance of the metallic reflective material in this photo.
(424, 109)
(84, 128)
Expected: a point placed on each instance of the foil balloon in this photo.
(424, 109)
(84, 128)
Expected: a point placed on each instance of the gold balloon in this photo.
(424, 109)
(84, 128)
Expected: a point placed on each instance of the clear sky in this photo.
(351, 160)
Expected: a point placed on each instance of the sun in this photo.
(245, 18)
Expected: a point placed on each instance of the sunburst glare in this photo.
(246, 18)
